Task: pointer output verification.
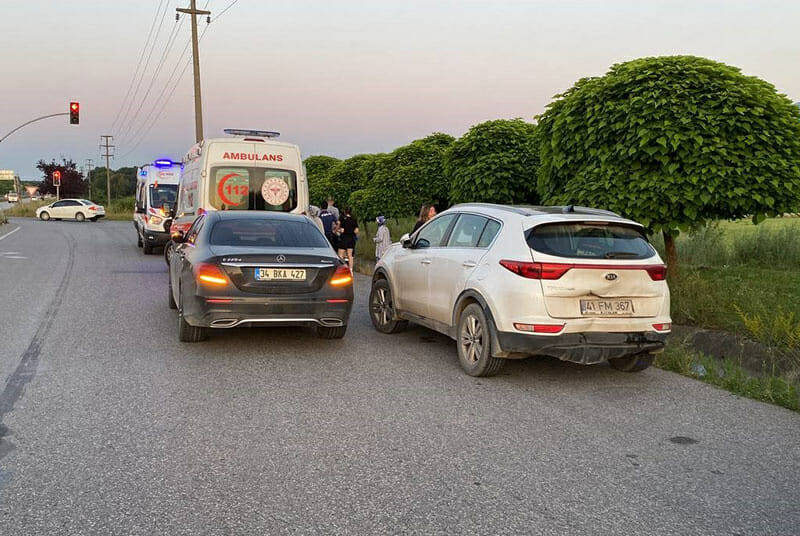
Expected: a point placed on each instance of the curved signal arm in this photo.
(31, 121)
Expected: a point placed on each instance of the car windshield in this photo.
(267, 233)
(252, 188)
(163, 194)
(590, 241)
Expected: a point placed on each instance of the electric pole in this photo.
(107, 146)
(89, 175)
(198, 105)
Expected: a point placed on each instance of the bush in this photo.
(495, 162)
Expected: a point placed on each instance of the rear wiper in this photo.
(620, 255)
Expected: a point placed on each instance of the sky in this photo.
(341, 77)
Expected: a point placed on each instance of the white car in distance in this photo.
(579, 284)
(71, 209)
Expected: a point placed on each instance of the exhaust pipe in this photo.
(224, 323)
(330, 322)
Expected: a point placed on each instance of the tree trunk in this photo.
(672, 254)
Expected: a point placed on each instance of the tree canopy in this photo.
(672, 142)
(495, 162)
(72, 183)
(317, 173)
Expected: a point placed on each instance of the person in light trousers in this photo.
(383, 238)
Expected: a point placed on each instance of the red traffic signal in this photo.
(56, 178)
(74, 113)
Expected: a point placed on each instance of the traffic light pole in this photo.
(198, 104)
(31, 121)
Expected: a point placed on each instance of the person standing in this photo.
(332, 209)
(347, 238)
(383, 239)
(328, 224)
(313, 215)
(425, 213)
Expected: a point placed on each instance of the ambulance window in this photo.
(252, 188)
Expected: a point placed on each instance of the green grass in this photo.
(26, 210)
(120, 209)
(772, 386)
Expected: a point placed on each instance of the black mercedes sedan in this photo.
(257, 268)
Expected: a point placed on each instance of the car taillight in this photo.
(341, 277)
(657, 272)
(662, 327)
(539, 328)
(210, 274)
(536, 270)
(93, 208)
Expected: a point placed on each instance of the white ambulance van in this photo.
(156, 193)
(249, 170)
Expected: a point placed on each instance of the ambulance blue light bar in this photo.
(163, 163)
(247, 132)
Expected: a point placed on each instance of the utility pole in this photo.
(198, 105)
(107, 146)
(89, 175)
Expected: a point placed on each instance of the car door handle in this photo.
(425, 261)
(469, 264)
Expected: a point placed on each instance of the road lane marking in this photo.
(10, 233)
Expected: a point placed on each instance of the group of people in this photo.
(341, 228)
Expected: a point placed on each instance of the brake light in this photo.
(92, 208)
(536, 270)
(657, 272)
(662, 327)
(210, 274)
(552, 270)
(217, 300)
(341, 277)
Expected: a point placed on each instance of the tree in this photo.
(410, 176)
(494, 162)
(123, 183)
(351, 175)
(672, 142)
(317, 170)
(72, 184)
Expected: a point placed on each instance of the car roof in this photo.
(257, 215)
(542, 213)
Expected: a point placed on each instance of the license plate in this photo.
(606, 307)
(280, 274)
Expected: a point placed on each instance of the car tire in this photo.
(632, 363)
(337, 332)
(79, 216)
(171, 300)
(186, 331)
(147, 247)
(168, 251)
(381, 308)
(474, 341)
(44, 216)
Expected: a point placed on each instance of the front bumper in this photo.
(156, 238)
(266, 311)
(585, 348)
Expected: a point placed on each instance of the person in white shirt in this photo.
(333, 210)
(383, 238)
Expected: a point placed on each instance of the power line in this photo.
(167, 48)
(166, 101)
(224, 10)
(146, 63)
(139, 64)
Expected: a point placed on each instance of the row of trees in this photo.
(671, 142)
(75, 184)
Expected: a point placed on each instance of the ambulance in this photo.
(249, 170)
(156, 193)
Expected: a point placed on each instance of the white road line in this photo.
(10, 233)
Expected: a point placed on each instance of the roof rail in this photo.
(533, 210)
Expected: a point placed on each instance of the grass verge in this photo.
(772, 386)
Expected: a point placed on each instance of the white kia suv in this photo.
(507, 282)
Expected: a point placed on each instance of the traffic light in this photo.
(74, 113)
(56, 178)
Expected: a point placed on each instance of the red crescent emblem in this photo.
(221, 188)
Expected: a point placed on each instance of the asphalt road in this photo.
(109, 425)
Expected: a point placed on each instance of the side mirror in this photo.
(405, 240)
(178, 237)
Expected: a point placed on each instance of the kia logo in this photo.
(281, 258)
(611, 277)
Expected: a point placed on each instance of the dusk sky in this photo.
(344, 77)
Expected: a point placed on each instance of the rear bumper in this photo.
(584, 348)
(269, 311)
(156, 238)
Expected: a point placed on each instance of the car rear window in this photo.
(582, 240)
(267, 233)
